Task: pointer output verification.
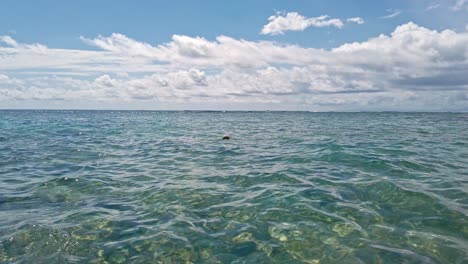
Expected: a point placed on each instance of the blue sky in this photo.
(60, 23)
(125, 36)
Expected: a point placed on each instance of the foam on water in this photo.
(163, 187)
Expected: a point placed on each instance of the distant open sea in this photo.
(289, 187)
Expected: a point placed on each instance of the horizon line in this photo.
(223, 111)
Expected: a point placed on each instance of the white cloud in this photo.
(8, 41)
(393, 13)
(6, 80)
(357, 20)
(119, 43)
(293, 21)
(106, 80)
(460, 5)
(224, 51)
(3, 78)
(9, 87)
(432, 7)
(413, 67)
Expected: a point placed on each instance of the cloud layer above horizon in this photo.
(413, 68)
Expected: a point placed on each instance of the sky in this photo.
(356, 55)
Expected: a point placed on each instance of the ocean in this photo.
(288, 187)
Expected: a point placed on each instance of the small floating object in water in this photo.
(226, 137)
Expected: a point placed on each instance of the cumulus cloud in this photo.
(9, 41)
(222, 52)
(293, 21)
(413, 67)
(357, 20)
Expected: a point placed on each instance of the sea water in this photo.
(289, 187)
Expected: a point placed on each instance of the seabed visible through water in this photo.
(163, 187)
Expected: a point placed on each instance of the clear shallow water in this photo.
(162, 187)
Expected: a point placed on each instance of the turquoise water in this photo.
(162, 187)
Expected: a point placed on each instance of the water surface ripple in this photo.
(162, 187)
